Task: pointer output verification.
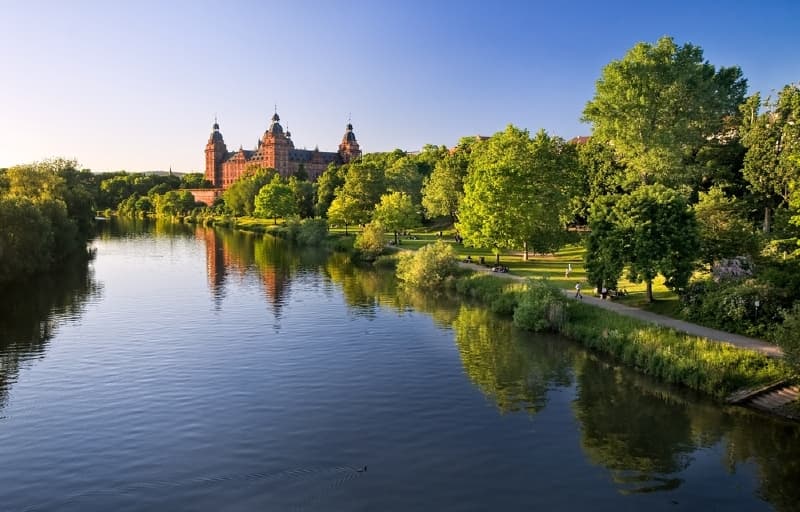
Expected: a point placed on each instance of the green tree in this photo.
(240, 196)
(605, 252)
(723, 228)
(772, 139)
(371, 241)
(443, 190)
(659, 103)
(26, 239)
(346, 211)
(174, 203)
(327, 184)
(658, 234)
(303, 193)
(275, 199)
(396, 213)
(195, 180)
(600, 174)
(404, 176)
(364, 184)
(516, 192)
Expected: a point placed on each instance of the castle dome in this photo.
(216, 135)
(349, 136)
(275, 128)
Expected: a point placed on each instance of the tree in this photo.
(174, 203)
(772, 139)
(26, 239)
(327, 184)
(657, 232)
(723, 229)
(605, 254)
(346, 211)
(364, 184)
(403, 176)
(195, 180)
(659, 103)
(240, 196)
(443, 190)
(601, 174)
(371, 241)
(303, 193)
(396, 213)
(516, 192)
(275, 199)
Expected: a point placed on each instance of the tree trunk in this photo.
(396, 241)
(767, 219)
(274, 221)
(497, 259)
(345, 229)
(525, 251)
(650, 291)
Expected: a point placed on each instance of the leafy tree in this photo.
(364, 184)
(371, 242)
(601, 174)
(303, 193)
(174, 203)
(657, 232)
(429, 267)
(275, 199)
(772, 139)
(195, 180)
(605, 251)
(403, 176)
(240, 196)
(723, 229)
(427, 159)
(443, 190)
(396, 213)
(300, 174)
(346, 211)
(26, 239)
(327, 184)
(659, 103)
(516, 192)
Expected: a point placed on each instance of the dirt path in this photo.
(678, 325)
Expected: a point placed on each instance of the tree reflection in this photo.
(643, 438)
(514, 369)
(31, 312)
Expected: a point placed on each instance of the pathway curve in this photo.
(647, 316)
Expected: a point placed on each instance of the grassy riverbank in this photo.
(715, 368)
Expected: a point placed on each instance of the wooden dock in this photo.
(771, 398)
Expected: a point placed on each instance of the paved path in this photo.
(647, 316)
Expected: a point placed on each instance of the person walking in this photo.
(578, 291)
(568, 271)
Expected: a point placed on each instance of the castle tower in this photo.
(215, 153)
(275, 146)
(349, 149)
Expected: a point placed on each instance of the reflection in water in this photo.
(643, 438)
(508, 366)
(31, 312)
(647, 435)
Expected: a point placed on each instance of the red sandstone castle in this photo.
(275, 149)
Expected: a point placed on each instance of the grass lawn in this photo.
(553, 267)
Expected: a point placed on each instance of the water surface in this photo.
(203, 369)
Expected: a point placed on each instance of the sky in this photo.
(136, 85)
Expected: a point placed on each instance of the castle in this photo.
(274, 149)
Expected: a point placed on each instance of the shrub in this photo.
(370, 242)
(787, 335)
(542, 306)
(313, 232)
(429, 267)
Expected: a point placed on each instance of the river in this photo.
(205, 369)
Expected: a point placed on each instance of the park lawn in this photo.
(552, 267)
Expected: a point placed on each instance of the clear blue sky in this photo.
(135, 84)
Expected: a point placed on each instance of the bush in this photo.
(313, 232)
(542, 306)
(787, 335)
(430, 267)
(370, 242)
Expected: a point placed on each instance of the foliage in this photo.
(605, 246)
(660, 102)
(516, 192)
(787, 335)
(657, 232)
(724, 232)
(371, 242)
(275, 199)
(313, 232)
(195, 180)
(396, 213)
(240, 196)
(26, 240)
(601, 175)
(327, 184)
(443, 190)
(428, 268)
(717, 369)
(174, 203)
(346, 211)
(364, 184)
(303, 193)
(500, 295)
(403, 176)
(730, 305)
(542, 306)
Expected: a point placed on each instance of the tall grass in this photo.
(715, 368)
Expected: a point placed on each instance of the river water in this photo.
(213, 370)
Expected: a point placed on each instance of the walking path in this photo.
(679, 325)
